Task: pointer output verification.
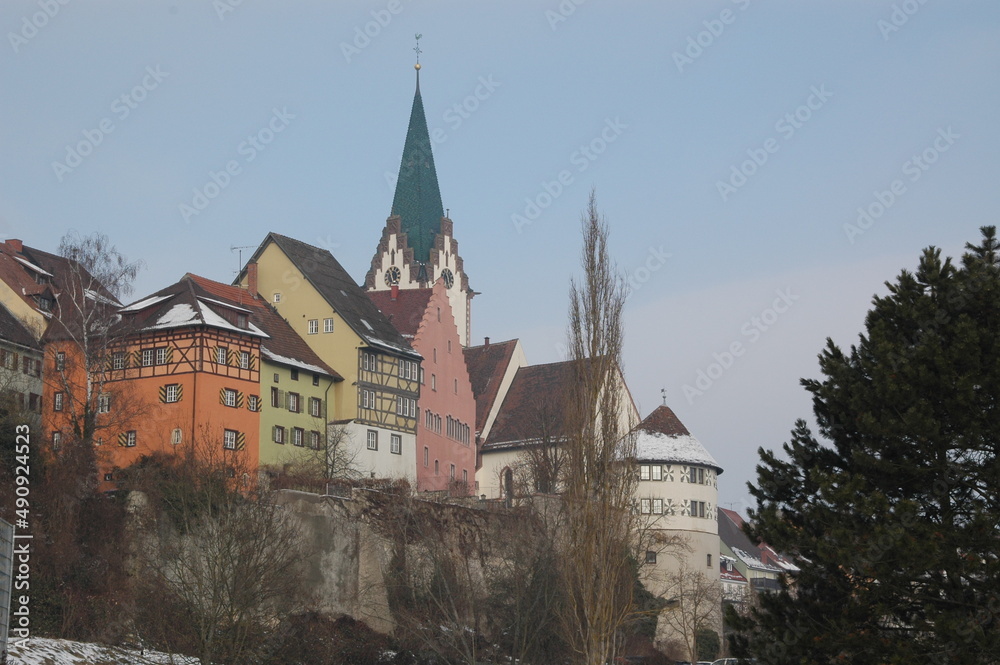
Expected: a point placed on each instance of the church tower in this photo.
(418, 245)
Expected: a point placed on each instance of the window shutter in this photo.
(222, 396)
(163, 394)
(170, 354)
(123, 440)
(136, 358)
(239, 400)
(241, 440)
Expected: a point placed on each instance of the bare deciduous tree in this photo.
(694, 604)
(599, 527)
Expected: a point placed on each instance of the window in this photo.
(229, 439)
(435, 354)
(650, 556)
(708, 560)
(60, 361)
(277, 297)
(298, 437)
(244, 360)
(278, 435)
(437, 467)
(171, 393)
(229, 397)
(367, 399)
(253, 403)
(294, 403)
(128, 439)
(276, 377)
(294, 374)
(221, 355)
(644, 472)
(434, 382)
(395, 444)
(118, 360)
(657, 472)
(34, 402)
(313, 326)
(451, 472)
(406, 406)
(657, 506)
(372, 440)
(314, 440)
(697, 509)
(161, 355)
(56, 440)
(408, 369)
(315, 379)
(57, 402)
(109, 477)
(449, 346)
(328, 325)
(465, 476)
(644, 506)
(315, 407)
(147, 357)
(456, 386)
(427, 455)
(696, 475)
(241, 321)
(175, 436)
(369, 361)
(104, 403)
(275, 397)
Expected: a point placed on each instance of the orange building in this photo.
(187, 375)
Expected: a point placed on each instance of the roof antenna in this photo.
(240, 249)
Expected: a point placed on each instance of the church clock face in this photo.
(449, 278)
(392, 276)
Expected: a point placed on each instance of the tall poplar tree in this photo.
(893, 510)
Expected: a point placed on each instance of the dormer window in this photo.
(45, 304)
(241, 321)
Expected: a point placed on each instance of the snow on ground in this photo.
(44, 651)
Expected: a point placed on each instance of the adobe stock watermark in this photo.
(696, 44)
(122, 108)
(363, 35)
(249, 148)
(30, 25)
(913, 169)
(899, 17)
(786, 127)
(752, 330)
(581, 159)
(223, 7)
(562, 12)
(635, 279)
(455, 116)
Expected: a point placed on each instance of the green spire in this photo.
(418, 199)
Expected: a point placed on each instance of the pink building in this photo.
(446, 436)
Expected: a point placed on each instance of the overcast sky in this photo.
(731, 143)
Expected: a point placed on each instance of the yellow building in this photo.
(374, 409)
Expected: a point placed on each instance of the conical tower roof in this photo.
(417, 200)
(662, 437)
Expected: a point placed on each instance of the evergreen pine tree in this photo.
(894, 517)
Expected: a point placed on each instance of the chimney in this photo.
(394, 291)
(15, 245)
(487, 343)
(252, 279)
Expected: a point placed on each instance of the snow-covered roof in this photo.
(292, 362)
(752, 561)
(184, 314)
(224, 304)
(661, 437)
(146, 302)
(683, 449)
(40, 271)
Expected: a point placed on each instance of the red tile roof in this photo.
(406, 311)
(663, 421)
(534, 406)
(487, 365)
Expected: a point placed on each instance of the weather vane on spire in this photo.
(663, 393)
(416, 49)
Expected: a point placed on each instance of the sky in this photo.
(764, 166)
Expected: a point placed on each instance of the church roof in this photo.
(535, 406)
(662, 437)
(406, 310)
(417, 200)
(487, 365)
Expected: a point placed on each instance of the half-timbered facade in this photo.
(374, 408)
